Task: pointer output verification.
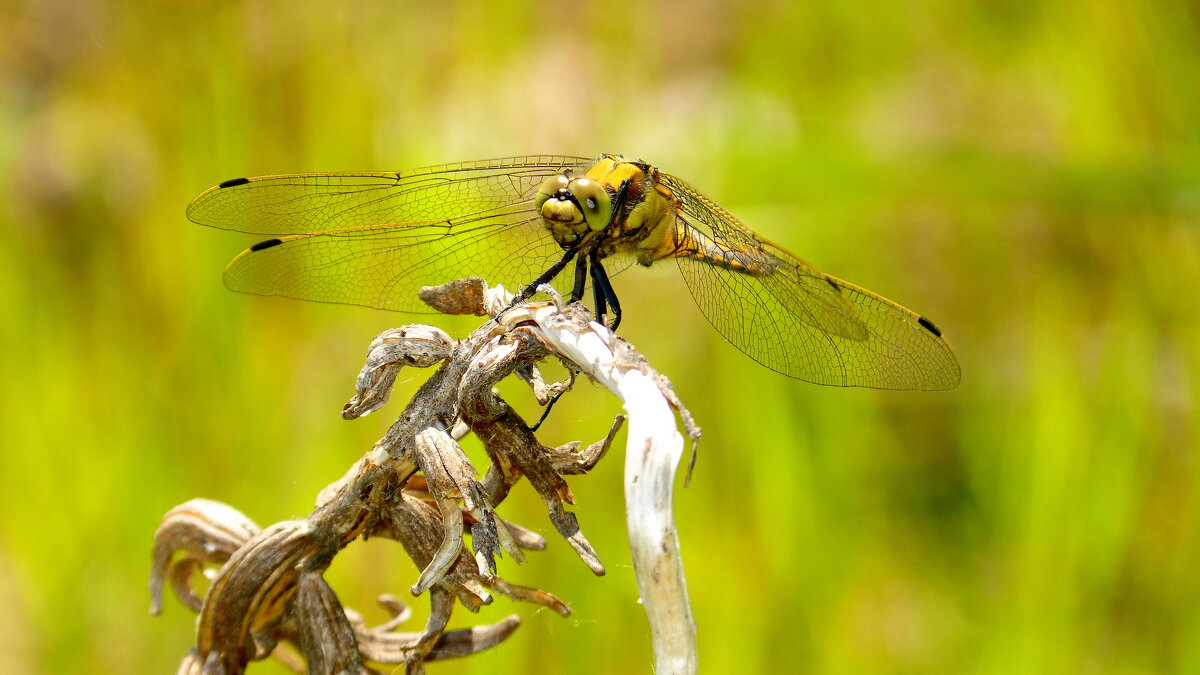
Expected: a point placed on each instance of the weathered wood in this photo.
(417, 487)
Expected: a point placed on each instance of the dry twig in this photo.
(417, 487)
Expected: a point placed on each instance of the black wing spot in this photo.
(928, 325)
(836, 288)
(234, 182)
(266, 244)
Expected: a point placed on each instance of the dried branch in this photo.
(417, 487)
(652, 455)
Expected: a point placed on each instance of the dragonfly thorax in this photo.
(644, 220)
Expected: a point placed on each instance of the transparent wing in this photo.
(312, 203)
(374, 238)
(385, 266)
(796, 320)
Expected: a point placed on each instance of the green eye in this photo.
(594, 202)
(548, 190)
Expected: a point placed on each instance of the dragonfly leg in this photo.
(546, 276)
(605, 295)
(581, 270)
(618, 201)
(598, 296)
(546, 412)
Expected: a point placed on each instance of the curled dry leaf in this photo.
(416, 487)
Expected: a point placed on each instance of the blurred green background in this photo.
(1025, 173)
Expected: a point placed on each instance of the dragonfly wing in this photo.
(384, 266)
(375, 238)
(798, 321)
(312, 203)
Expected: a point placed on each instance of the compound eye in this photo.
(594, 201)
(548, 190)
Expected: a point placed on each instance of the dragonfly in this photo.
(375, 238)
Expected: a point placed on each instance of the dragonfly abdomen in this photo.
(695, 245)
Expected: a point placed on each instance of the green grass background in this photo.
(1027, 174)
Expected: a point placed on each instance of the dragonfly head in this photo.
(573, 207)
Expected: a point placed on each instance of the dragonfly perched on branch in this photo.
(375, 238)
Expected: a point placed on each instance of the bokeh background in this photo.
(1025, 173)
